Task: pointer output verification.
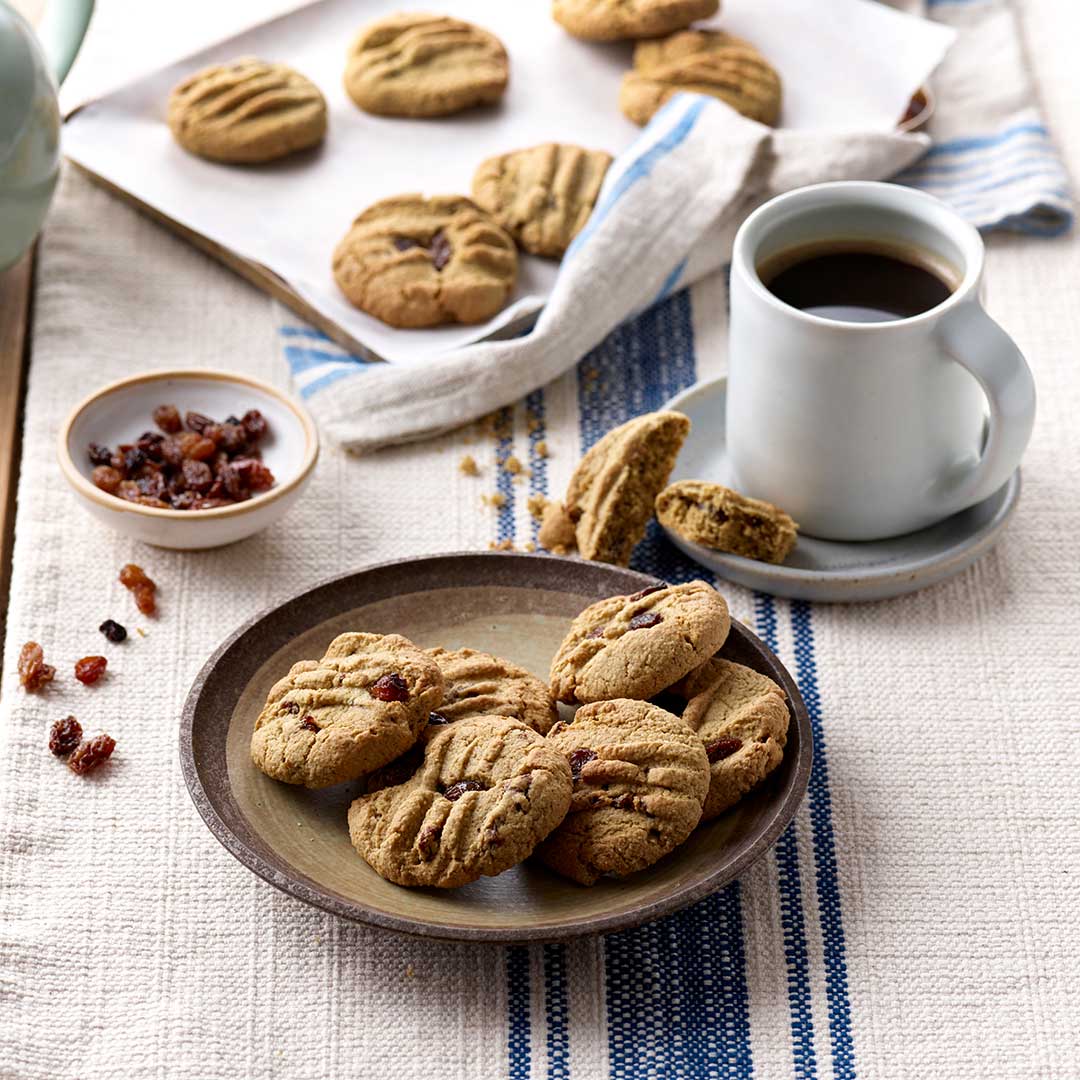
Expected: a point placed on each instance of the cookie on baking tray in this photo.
(543, 195)
(741, 716)
(722, 519)
(611, 20)
(702, 62)
(413, 261)
(479, 684)
(611, 494)
(247, 112)
(358, 708)
(640, 778)
(425, 65)
(635, 646)
(486, 792)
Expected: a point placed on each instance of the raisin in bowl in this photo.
(263, 448)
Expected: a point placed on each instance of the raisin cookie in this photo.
(722, 519)
(362, 705)
(413, 261)
(611, 494)
(610, 20)
(247, 112)
(479, 684)
(635, 646)
(425, 65)
(701, 62)
(542, 196)
(640, 777)
(488, 791)
(741, 717)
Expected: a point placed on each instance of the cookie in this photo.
(741, 717)
(362, 705)
(640, 777)
(425, 65)
(722, 519)
(542, 196)
(413, 261)
(611, 494)
(701, 62)
(488, 791)
(247, 112)
(610, 20)
(479, 684)
(635, 646)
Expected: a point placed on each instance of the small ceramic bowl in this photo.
(120, 412)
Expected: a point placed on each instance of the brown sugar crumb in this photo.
(590, 375)
(541, 448)
(534, 424)
(502, 545)
(512, 465)
(530, 546)
(498, 500)
(557, 532)
(537, 505)
(468, 466)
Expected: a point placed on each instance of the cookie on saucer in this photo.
(640, 778)
(542, 196)
(742, 717)
(413, 261)
(247, 112)
(359, 707)
(635, 646)
(425, 65)
(612, 20)
(487, 791)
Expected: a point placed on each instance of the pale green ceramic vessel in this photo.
(30, 70)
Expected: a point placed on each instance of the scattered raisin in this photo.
(308, 723)
(201, 449)
(142, 588)
(254, 473)
(144, 599)
(455, 791)
(64, 736)
(437, 718)
(113, 631)
(645, 620)
(596, 632)
(440, 250)
(34, 673)
(390, 688)
(290, 707)
(150, 443)
(132, 575)
(98, 454)
(106, 478)
(89, 755)
(722, 748)
(578, 760)
(134, 459)
(90, 668)
(196, 421)
(167, 417)
(151, 484)
(197, 476)
(645, 592)
(233, 438)
(255, 425)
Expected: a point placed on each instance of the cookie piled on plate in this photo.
(467, 769)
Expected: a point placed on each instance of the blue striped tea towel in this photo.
(668, 214)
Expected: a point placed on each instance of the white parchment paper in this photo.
(845, 64)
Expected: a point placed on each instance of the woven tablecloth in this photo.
(920, 919)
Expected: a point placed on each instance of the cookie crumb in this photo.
(557, 532)
(541, 448)
(537, 505)
(513, 465)
(530, 546)
(498, 500)
(140, 631)
(534, 424)
(410, 971)
(502, 545)
(468, 466)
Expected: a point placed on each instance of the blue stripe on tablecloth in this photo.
(315, 367)
(557, 1013)
(536, 418)
(792, 919)
(677, 1001)
(828, 888)
(518, 997)
(504, 481)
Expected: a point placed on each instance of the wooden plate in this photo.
(517, 606)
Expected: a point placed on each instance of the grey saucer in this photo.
(825, 569)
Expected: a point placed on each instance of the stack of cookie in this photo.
(468, 769)
(414, 261)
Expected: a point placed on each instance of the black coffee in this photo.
(856, 285)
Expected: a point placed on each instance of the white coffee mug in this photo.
(863, 431)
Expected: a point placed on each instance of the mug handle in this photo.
(976, 342)
(61, 31)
